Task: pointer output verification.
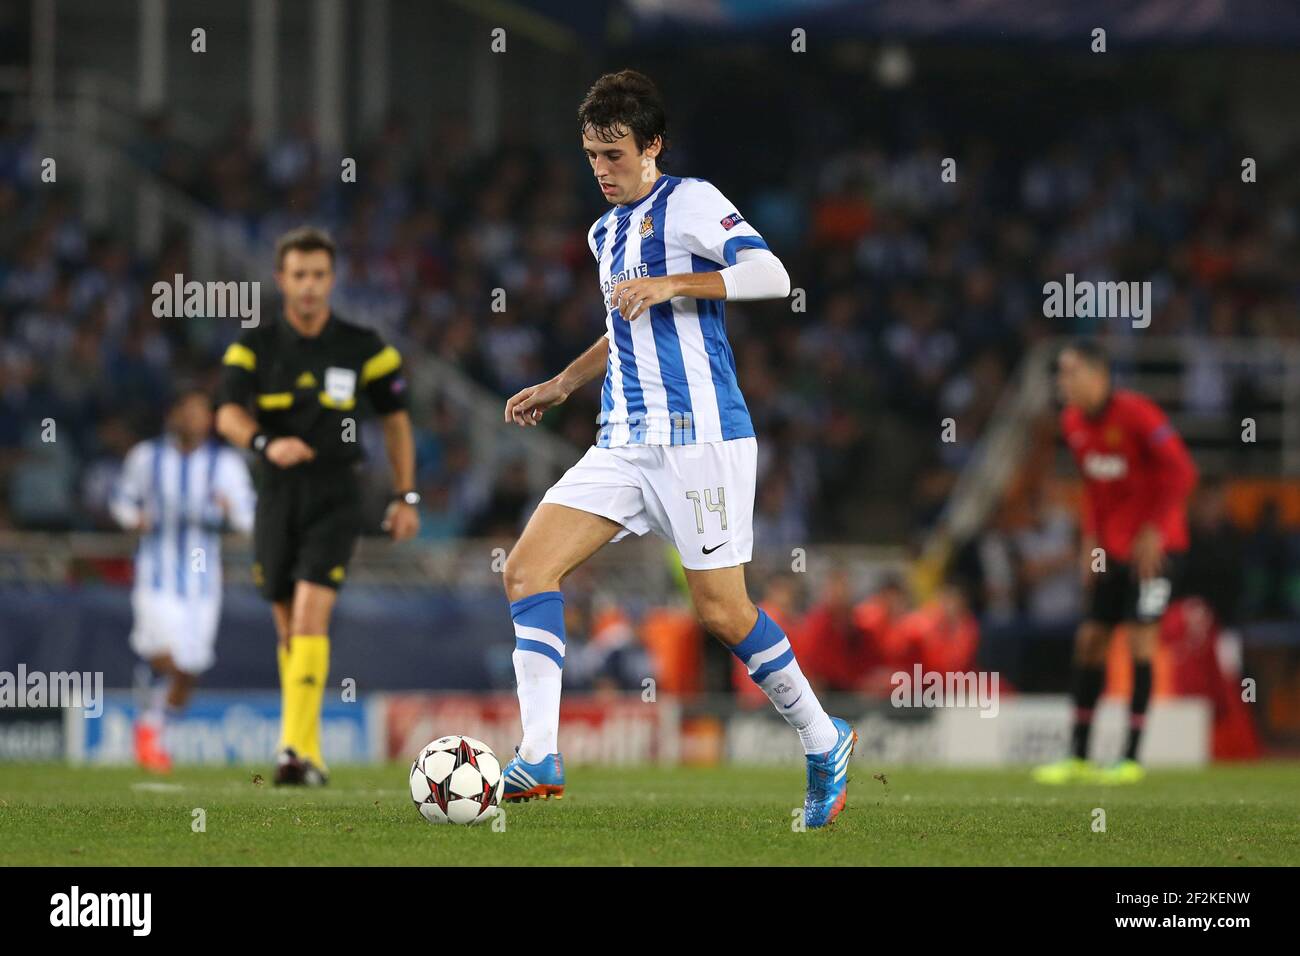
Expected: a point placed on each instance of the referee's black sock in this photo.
(1137, 708)
(1086, 681)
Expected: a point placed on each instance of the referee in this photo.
(291, 390)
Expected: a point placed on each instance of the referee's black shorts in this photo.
(1118, 597)
(307, 524)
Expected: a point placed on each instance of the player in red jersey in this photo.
(1137, 478)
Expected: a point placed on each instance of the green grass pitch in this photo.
(1229, 815)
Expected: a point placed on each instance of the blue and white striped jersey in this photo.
(671, 377)
(181, 494)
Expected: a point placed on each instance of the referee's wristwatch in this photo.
(407, 497)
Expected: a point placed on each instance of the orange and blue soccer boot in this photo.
(828, 778)
(524, 780)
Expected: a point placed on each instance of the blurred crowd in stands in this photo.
(846, 641)
(1010, 603)
(918, 295)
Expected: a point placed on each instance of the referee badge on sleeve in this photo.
(340, 385)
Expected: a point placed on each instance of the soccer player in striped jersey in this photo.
(675, 451)
(179, 491)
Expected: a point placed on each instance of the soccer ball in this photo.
(456, 779)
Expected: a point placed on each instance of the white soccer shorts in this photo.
(699, 497)
(168, 624)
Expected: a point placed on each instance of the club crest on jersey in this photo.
(647, 226)
(730, 222)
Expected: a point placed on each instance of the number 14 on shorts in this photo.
(717, 505)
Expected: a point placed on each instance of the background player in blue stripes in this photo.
(675, 452)
(179, 491)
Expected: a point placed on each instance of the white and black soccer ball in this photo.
(456, 779)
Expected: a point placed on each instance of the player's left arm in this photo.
(711, 228)
(381, 377)
(1176, 477)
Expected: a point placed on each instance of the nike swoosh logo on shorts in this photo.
(712, 549)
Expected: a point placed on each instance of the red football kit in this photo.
(1136, 471)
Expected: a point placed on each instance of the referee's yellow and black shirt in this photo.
(313, 388)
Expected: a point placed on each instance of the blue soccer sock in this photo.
(769, 658)
(539, 670)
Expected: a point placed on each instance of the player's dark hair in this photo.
(1091, 351)
(303, 239)
(621, 103)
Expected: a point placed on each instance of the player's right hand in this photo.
(288, 451)
(526, 406)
